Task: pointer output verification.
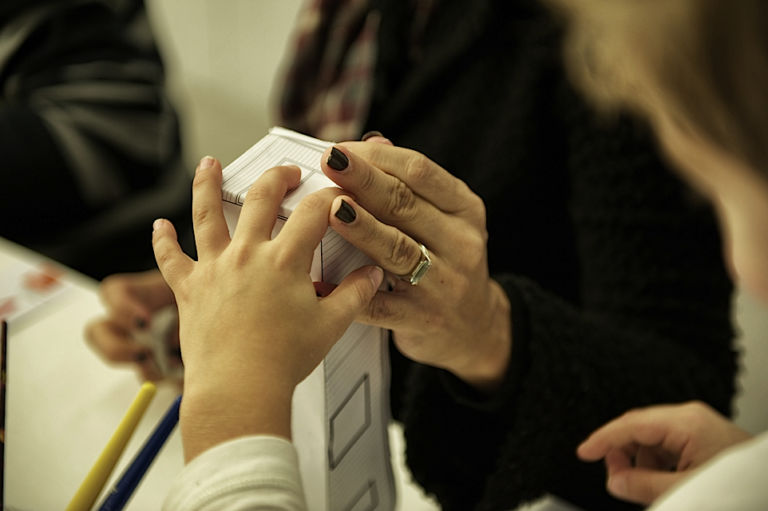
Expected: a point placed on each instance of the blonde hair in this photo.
(704, 63)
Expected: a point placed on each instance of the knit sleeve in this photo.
(651, 324)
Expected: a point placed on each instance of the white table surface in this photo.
(63, 404)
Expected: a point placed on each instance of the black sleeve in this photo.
(29, 176)
(651, 325)
(84, 121)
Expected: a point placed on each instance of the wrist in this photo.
(487, 369)
(215, 410)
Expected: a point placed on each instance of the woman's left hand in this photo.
(456, 317)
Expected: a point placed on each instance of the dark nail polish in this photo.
(337, 160)
(371, 134)
(140, 323)
(345, 213)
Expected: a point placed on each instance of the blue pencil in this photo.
(132, 476)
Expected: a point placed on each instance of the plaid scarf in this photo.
(328, 84)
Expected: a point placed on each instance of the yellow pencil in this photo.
(96, 479)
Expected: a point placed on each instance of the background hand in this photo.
(648, 450)
(457, 317)
(130, 300)
(251, 324)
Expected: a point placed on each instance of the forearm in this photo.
(221, 406)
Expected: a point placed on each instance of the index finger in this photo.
(260, 208)
(307, 225)
(655, 426)
(425, 177)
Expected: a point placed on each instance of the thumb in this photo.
(171, 260)
(354, 293)
(377, 137)
(641, 485)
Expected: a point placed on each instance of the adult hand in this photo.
(457, 317)
(648, 450)
(130, 300)
(251, 324)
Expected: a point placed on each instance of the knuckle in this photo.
(401, 201)
(381, 310)
(201, 180)
(630, 415)
(402, 256)
(695, 409)
(474, 244)
(165, 260)
(474, 206)
(257, 192)
(367, 180)
(478, 206)
(418, 168)
(200, 216)
(283, 258)
(111, 285)
(362, 293)
(696, 406)
(696, 415)
(315, 201)
(369, 232)
(471, 254)
(240, 255)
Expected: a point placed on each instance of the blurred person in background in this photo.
(602, 271)
(91, 143)
(697, 70)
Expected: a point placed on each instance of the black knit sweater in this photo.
(620, 297)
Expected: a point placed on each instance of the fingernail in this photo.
(157, 224)
(371, 134)
(206, 163)
(140, 323)
(345, 213)
(376, 275)
(337, 160)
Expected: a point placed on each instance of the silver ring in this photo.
(422, 268)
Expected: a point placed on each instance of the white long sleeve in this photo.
(736, 479)
(254, 472)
